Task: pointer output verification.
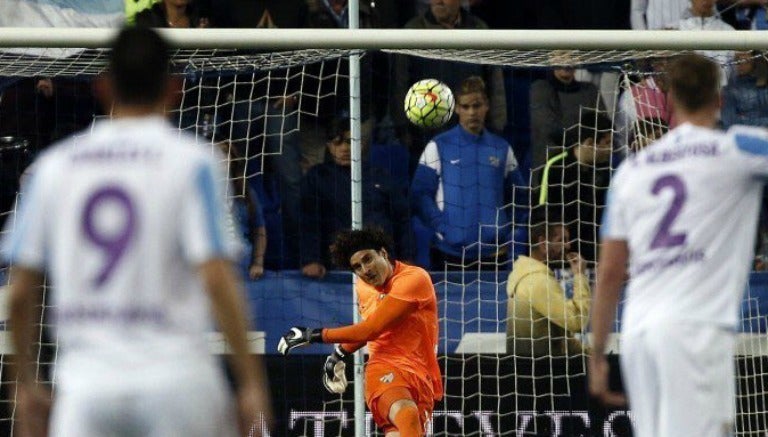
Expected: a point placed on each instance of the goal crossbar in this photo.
(280, 39)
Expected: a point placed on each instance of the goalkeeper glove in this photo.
(298, 336)
(334, 371)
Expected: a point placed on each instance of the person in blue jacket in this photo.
(464, 186)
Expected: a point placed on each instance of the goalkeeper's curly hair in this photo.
(350, 241)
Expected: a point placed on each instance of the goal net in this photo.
(508, 369)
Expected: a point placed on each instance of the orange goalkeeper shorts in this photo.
(385, 384)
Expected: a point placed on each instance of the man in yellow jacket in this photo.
(541, 319)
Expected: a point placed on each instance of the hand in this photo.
(298, 336)
(45, 87)
(33, 409)
(288, 102)
(253, 409)
(255, 271)
(313, 270)
(334, 371)
(598, 382)
(578, 265)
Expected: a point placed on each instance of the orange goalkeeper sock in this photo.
(408, 423)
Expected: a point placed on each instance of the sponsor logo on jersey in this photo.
(389, 377)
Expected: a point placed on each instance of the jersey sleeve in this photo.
(614, 225)
(202, 219)
(752, 144)
(413, 285)
(25, 236)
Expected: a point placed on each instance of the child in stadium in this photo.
(398, 306)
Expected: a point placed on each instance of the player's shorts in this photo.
(181, 406)
(680, 380)
(379, 378)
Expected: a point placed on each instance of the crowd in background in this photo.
(543, 140)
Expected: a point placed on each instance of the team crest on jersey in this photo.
(389, 377)
(494, 161)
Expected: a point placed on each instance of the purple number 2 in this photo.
(114, 243)
(664, 236)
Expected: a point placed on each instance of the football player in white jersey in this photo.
(682, 216)
(126, 221)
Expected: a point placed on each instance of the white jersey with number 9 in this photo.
(119, 218)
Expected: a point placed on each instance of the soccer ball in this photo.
(429, 103)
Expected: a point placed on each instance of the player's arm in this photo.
(24, 301)
(225, 292)
(24, 304)
(611, 273)
(388, 313)
(350, 348)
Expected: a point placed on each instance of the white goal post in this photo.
(285, 39)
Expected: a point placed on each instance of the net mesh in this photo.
(261, 109)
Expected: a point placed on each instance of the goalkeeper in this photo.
(398, 308)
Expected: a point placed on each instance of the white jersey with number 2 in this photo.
(687, 206)
(119, 218)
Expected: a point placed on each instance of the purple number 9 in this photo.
(664, 236)
(114, 243)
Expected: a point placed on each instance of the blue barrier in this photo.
(468, 302)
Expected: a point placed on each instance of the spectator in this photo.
(576, 180)
(645, 99)
(259, 111)
(556, 103)
(656, 14)
(748, 14)
(745, 98)
(327, 204)
(444, 14)
(326, 94)
(541, 318)
(374, 66)
(173, 13)
(247, 217)
(702, 15)
(464, 178)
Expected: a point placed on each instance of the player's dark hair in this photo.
(694, 81)
(592, 124)
(544, 220)
(138, 65)
(348, 242)
(338, 125)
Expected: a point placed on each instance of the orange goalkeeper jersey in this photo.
(411, 343)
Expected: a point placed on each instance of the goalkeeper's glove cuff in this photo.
(315, 335)
(339, 353)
